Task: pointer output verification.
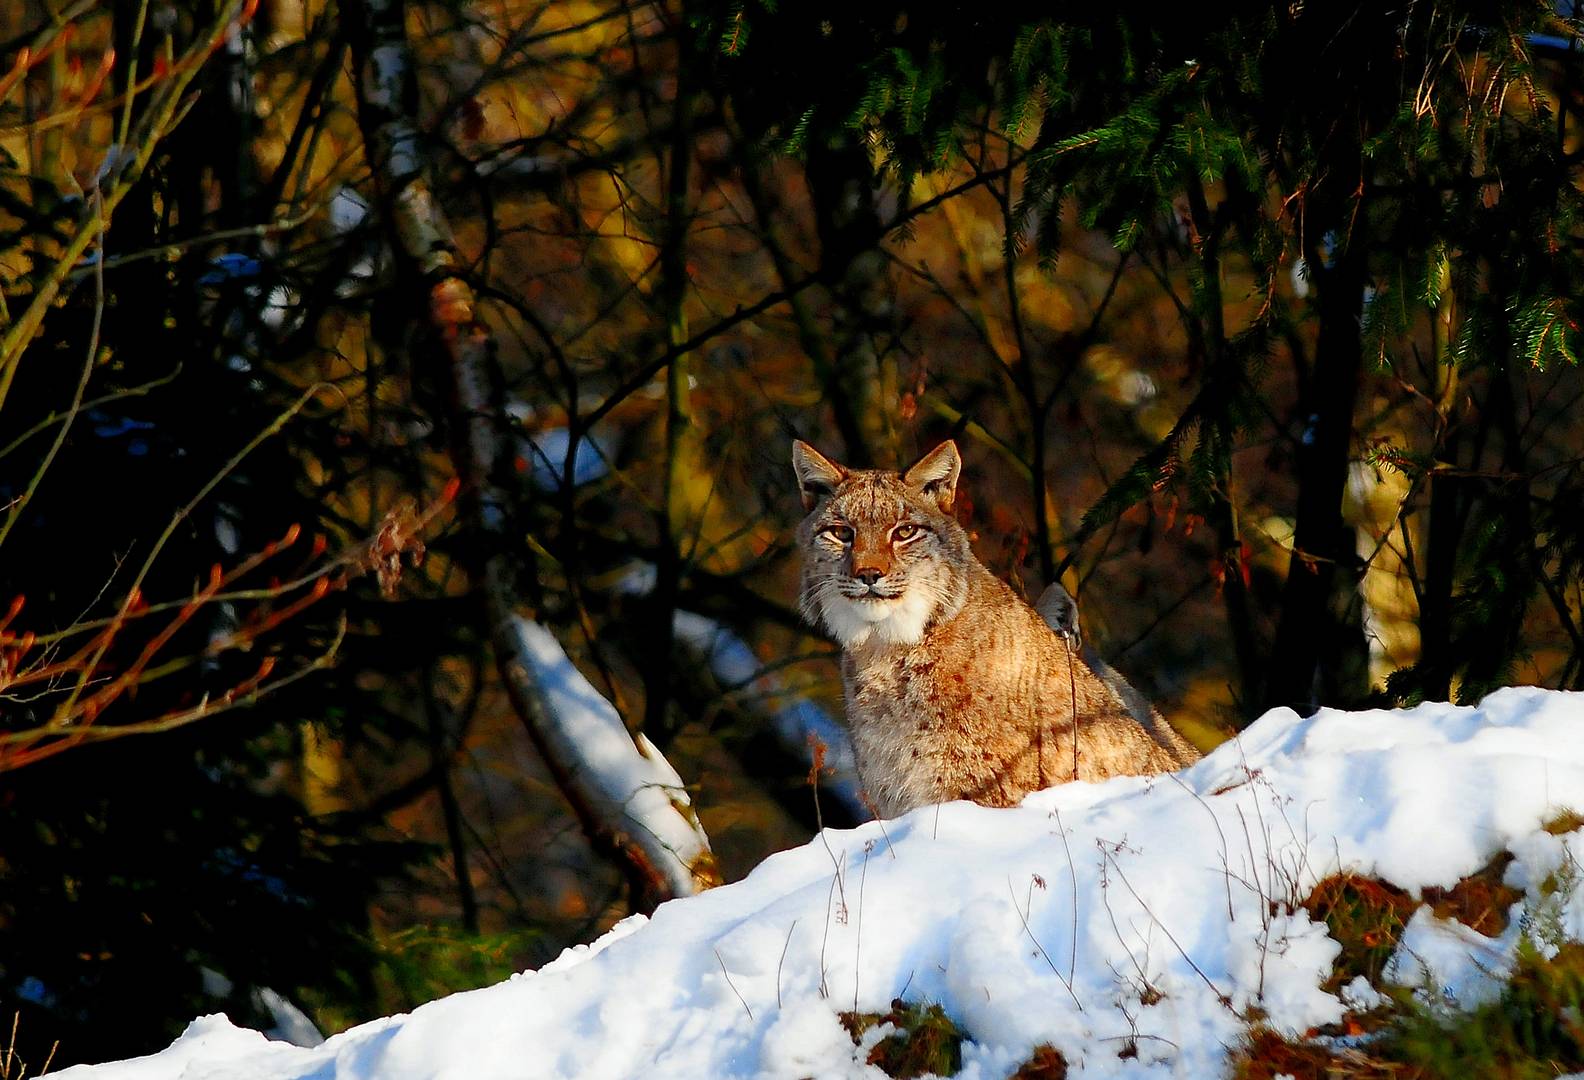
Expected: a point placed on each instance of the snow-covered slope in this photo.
(1134, 913)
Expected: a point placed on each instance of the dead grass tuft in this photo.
(926, 1040)
(1480, 901)
(1566, 820)
(1046, 1063)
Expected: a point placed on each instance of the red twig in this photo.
(75, 721)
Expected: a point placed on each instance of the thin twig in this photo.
(71, 737)
(180, 516)
(782, 961)
(1223, 998)
(731, 984)
(863, 876)
(1226, 867)
(1072, 876)
(20, 504)
(824, 987)
(1105, 896)
(1072, 680)
(92, 403)
(1023, 918)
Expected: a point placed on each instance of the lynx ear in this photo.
(1059, 609)
(817, 475)
(936, 475)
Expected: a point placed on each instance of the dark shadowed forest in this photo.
(348, 347)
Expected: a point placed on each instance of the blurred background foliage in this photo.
(1257, 325)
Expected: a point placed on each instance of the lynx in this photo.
(955, 688)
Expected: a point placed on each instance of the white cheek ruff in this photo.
(891, 622)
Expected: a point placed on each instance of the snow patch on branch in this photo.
(626, 773)
(796, 720)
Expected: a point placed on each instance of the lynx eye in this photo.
(904, 532)
(841, 533)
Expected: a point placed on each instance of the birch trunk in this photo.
(658, 841)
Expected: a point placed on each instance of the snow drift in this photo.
(1135, 914)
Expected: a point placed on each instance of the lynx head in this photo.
(882, 555)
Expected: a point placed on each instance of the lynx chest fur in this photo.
(955, 688)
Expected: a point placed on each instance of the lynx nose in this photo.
(869, 575)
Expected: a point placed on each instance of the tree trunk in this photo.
(657, 840)
(1310, 626)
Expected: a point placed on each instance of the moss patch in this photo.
(1366, 916)
(1265, 1055)
(1534, 1030)
(926, 1040)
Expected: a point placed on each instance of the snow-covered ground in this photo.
(1134, 914)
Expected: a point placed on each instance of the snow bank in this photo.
(1097, 917)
